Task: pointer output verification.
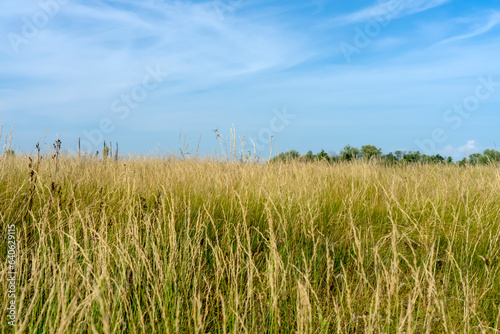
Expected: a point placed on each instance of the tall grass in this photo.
(150, 245)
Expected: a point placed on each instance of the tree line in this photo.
(370, 152)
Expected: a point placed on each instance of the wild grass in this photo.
(158, 245)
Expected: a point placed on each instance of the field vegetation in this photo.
(167, 245)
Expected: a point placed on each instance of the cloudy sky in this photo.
(399, 74)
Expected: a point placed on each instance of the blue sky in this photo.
(399, 74)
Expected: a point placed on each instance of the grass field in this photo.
(151, 245)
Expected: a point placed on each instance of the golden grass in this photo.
(149, 245)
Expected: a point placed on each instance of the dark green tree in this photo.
(349, 153)
(462, 163)
(322, 156)
(412, 157)
(439, 158)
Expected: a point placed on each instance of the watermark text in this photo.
(11, 274)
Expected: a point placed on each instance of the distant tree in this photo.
(9, 152)
(322, 156)
(292, 154)
(432, 159)
(412, 157)
(439, 158)
(462, 163)
(349, 153)
(390, 158)
(287, 156)
(476, 158)
(369, 151)
(491, 155)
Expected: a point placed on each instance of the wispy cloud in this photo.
(263, 55)
(459, 152)
(93, 50)
(492, 22)
(387, 10)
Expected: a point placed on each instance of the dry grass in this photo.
(164, 246)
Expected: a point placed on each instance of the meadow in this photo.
(166, 245)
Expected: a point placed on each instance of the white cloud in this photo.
(389, 10)
(91, 51)
(460, 152)
(492, 22)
